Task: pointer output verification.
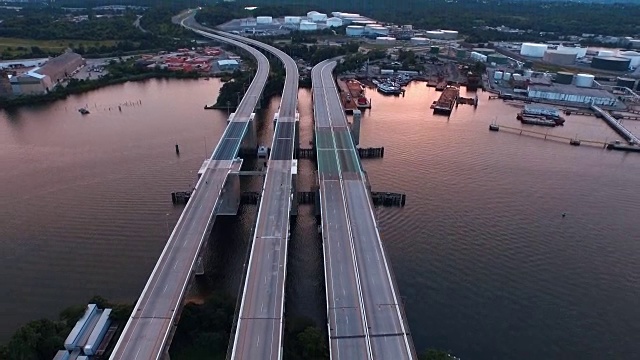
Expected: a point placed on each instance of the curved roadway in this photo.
(260, 323)
(365, 319)
(150, 327)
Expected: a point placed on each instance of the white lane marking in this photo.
(165, 288)
(258, 342)
(138, 353)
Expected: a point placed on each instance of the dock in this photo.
(352, 95)
(616, 125)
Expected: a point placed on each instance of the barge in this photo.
(447, 100)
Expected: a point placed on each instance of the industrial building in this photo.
(533, 50)
(228, 65)
(559, 57)
(30, 83)
(62, 66)
(612, 63)
(264, 20)
(87, 335)
(569, 93)
(498, 59)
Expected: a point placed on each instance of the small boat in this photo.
(494, 127)
(83, 111)
(574, 142)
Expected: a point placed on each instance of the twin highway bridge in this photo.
(365, 317)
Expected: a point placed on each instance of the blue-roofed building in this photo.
(81, 327)
(228, 65)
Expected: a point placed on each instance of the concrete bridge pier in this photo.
(355, 127)
(250, 142)
(230, 196)
(294, 187)
(275, 119)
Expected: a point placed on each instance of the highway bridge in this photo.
(365, 317)
(150, 327)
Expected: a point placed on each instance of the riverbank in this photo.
(82, 86)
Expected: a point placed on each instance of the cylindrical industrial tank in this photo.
(626, 82)
(355, 30)
(584, 80)
(308, 25)
(606, 53)
(334, 22)
(497, 58)
(385, 40)
(633, 56)
(264, 19)
(528, 72)
(419, 41)
(564, 78)
(533, 50)
(610, 63)
(506, 76)
(559, 57)
(292, 19)
(434, 34)
(318, 17)
(497, 75)
(579, 51)
(379, 30)
(449, 34)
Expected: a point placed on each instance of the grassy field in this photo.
(16, 46)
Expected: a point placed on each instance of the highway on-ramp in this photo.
(364, 315)
(150, 326)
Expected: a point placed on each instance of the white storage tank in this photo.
(355, 30)
(533, 50)
(385, 40)
(316, 16)
(378, 30)
(434, 34)
(497, 75)
(308, 25)
(476, 56)
(407, 27)
(449, 34)
(264, 19)
(292, 19)
(334, 22)
(584, 80)
(419, 41)
(606, 53)
(633, 56)
(579, 51)
(506, 76)
(528, 73)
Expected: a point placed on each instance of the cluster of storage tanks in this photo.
(581, 80)
(369, 29)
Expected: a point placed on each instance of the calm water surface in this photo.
(486, 265)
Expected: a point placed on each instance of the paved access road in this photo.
(147, 331)
(355, 263)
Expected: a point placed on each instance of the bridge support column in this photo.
(275, 119)
(294, 187)
(297, 134)
(355, 127)
(230, 196)
(250, 141)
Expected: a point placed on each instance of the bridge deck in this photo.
(147, 331)
(365, 319)
(260, 324)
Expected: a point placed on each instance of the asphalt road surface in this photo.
(148, 329)
(365, 318)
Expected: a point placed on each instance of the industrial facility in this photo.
(90, 336)
(533, 50)
(560, 57)
(612, 63)
(44, 78)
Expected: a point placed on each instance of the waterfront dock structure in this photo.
(365, 317)
(148, 332)
(616, 125)
(447, 100)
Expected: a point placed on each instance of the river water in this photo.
(486, 265)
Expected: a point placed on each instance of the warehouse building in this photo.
(569, 93)
(228, 65)
(31, 83)
(62, 66)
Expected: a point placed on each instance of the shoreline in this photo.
(63, 93)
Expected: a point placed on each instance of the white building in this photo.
(533, 50)
(570, 93)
